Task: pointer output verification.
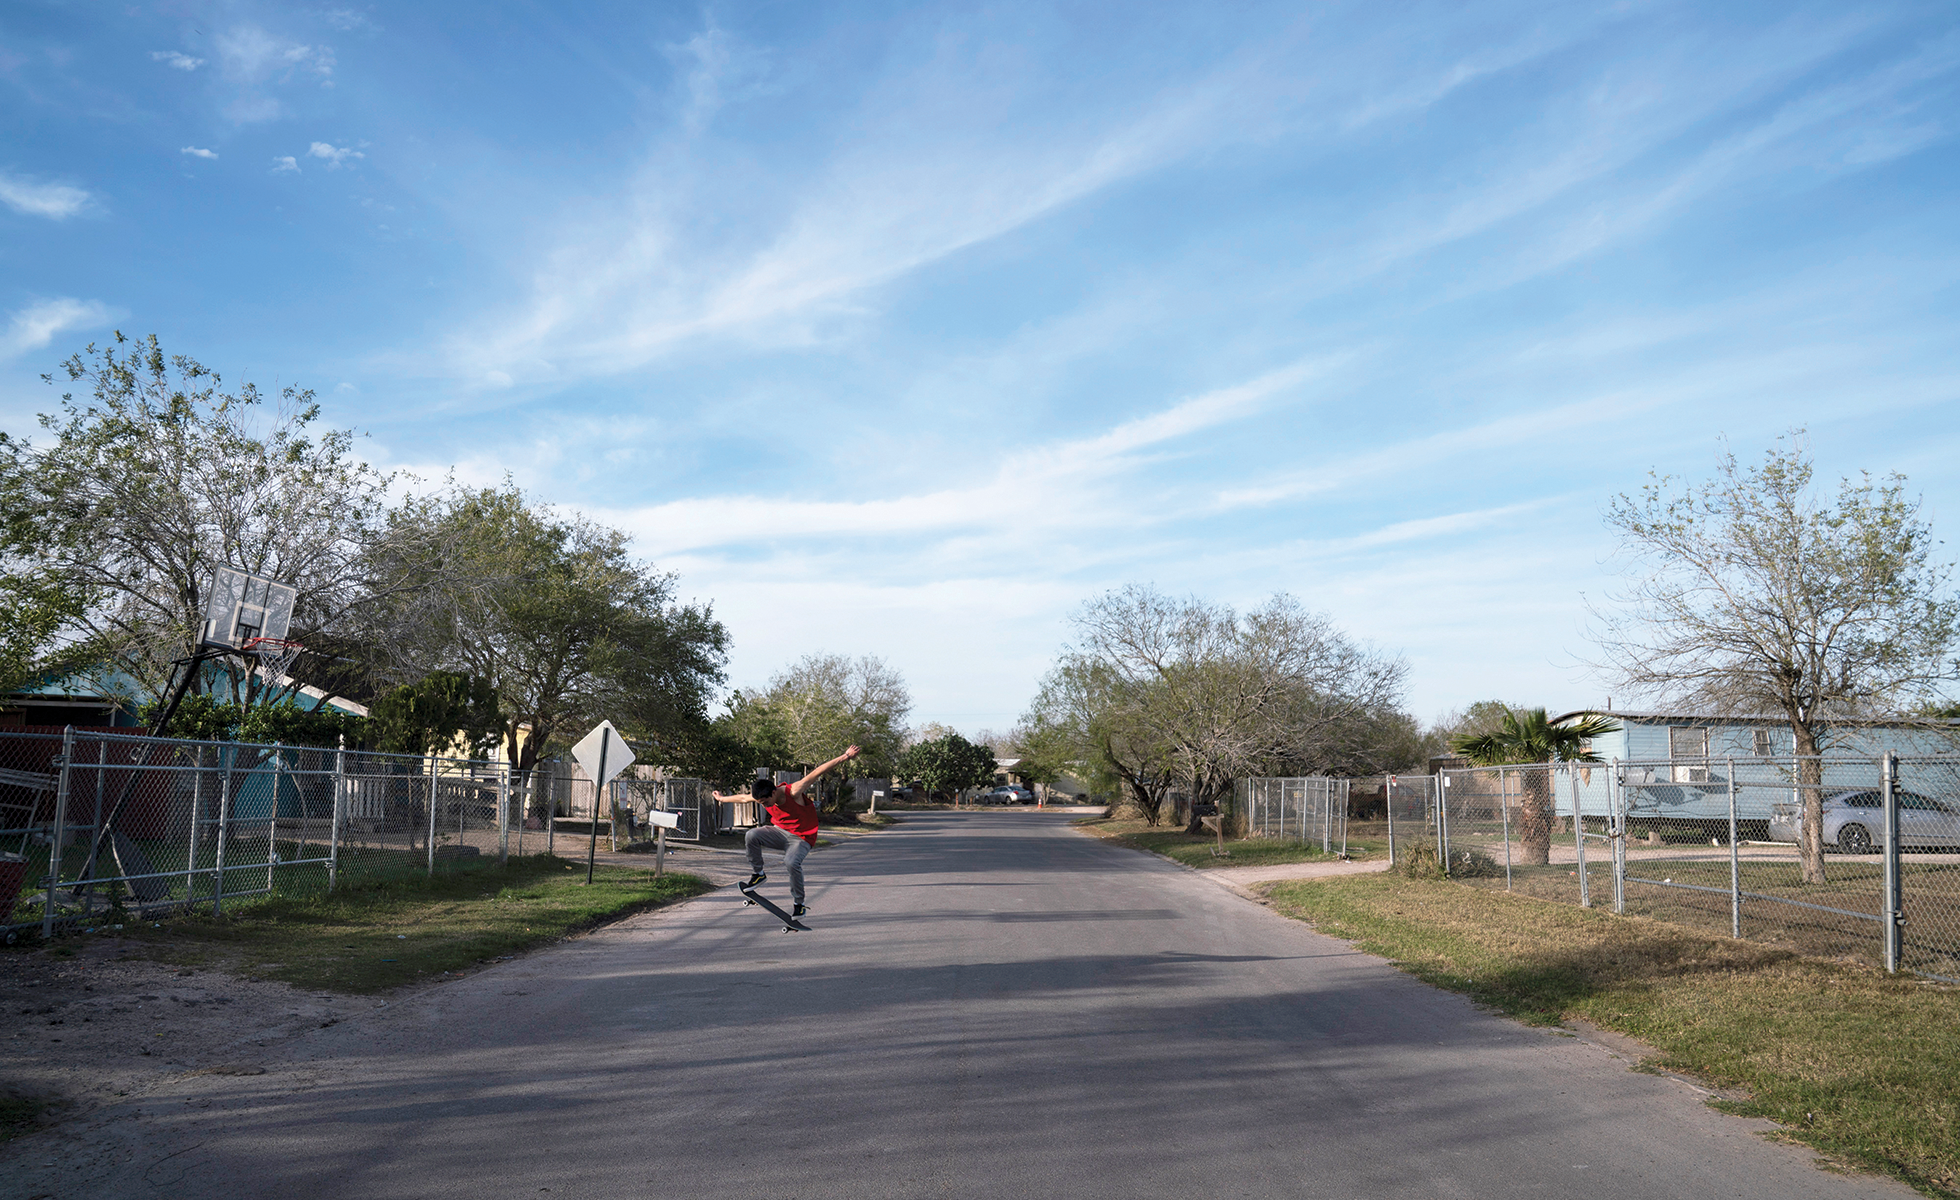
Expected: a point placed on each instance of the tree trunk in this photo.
(1810, 785)
(1534, 815)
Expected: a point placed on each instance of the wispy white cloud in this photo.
(177, 59)
(56, 201)
(348, 20)
(195, 152)
(284, 163)
(33, 327)
(999, 505)
(333, 155)
(623, 290)
(250, 54)
(255, 62)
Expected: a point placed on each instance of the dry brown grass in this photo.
(1862, 1066)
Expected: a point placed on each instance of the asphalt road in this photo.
(991, 1005)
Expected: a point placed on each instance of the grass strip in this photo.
(1859, 1065)
(1196, 850)
(379, 933)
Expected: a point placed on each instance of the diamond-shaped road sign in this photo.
(603, 754)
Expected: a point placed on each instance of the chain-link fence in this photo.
(1392, 814)
(1313, 809)
(1714, 844)
(95, 822)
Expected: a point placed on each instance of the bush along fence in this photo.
(1710, 843)
(95, 823)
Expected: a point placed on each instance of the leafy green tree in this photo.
(35, 613)
(202, 717)
(435, 713)
(119, 520)
(948, 763)
(824, 702)
(1043, 751)
(554, 614)
(1529, 736)
(1753, 594)
(1082, 706)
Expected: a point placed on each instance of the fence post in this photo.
(1616, 830)
(1388, 789)
(339, 799)
(431, 785)
(272, 826)
(1735, 863)
(1579, 838)
(503, 816)
(59, 842)
(1504, 815)
(224, 830)
(1443, 821)
(1894, 917)
(1346, 784)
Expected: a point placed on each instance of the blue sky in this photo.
(901, 329)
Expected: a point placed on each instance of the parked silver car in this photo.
(1854, 821)
(1008, 794)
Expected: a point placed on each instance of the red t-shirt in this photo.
(793, 814)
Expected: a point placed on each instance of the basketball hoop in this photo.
(276, 655)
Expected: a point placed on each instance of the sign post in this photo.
(603, 754)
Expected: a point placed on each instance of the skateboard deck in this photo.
(790, 924)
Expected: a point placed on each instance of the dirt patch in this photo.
(95, 1018)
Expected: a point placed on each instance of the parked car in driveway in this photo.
(1854, 821)
(1008, 794)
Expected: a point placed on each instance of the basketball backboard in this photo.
(242, 606)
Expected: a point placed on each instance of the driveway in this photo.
(991, 1005)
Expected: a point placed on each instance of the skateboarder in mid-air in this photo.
(792, 828)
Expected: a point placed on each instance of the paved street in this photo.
(992, 1005)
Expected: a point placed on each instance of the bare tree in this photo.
(1752, 595)
(1200, 693)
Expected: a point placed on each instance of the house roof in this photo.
(1681, 718)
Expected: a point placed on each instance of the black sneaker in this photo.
(797, 910)
(754, 881)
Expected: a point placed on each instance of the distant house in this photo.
(96, 699)
(1680, 766)
(1065, 785)
(1674, 736)
(105, 698)
(1676, 767)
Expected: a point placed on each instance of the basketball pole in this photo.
(106, 830)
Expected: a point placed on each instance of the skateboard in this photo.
(790, 924)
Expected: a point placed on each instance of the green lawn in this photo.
(1862, 1066)
(384, 931)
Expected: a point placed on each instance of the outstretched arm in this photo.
(796, 789)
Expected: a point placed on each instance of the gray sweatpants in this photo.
(794, 851)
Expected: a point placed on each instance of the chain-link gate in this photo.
(1311, 808)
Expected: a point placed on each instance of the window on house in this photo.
(1690, 743)
(1765, 743)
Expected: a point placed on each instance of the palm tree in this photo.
(1529, 736)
